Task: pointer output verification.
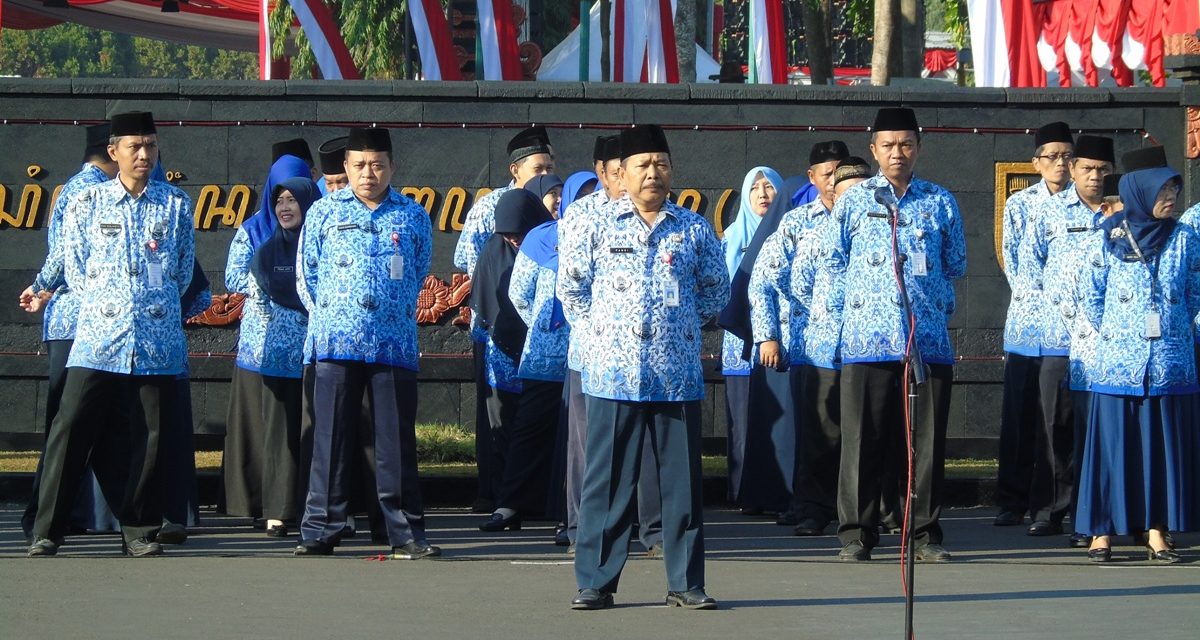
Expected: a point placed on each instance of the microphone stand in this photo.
(916, 376)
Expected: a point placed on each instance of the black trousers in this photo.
(281, 416)
(530, 441)
(1053, 476)
(181, 501)
(1020, 414)
(82, 513)
(872, 425)
(361, 469)
(484, 450)
(814, 492)
(649, 496)
(124, 449)
(337, 399)
(616, 433)
(737, 418)
(1081, 404)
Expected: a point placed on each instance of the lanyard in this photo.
(1153, 271)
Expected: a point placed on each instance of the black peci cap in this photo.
(612, 148)
(295, 147)
(97, 140)
(1144, 158)
(827, 152)
(1053, 132)
(372, 139)
(1112, 182)
(134, 123)
(1094, 148)
(598, 149)
(895, 119)
(646, 138)
(528, 142)
(333, 156)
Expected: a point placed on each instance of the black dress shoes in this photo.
(141, 548)
(810, 527)
(854, 551)
(313, 548)
(592, 600)
(1044, 528)
(499, 523)
(932, 553)
(277, 531)
(694, 599)
(1166, 556)
(1008, 518)
(416, 550)
(43, 547)
(788, 519)
(1080, 541)
(171, 533)
(1100, 554)
(561, 539)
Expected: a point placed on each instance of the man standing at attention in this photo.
(921, 230)
(643, 275)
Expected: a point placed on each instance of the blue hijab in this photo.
(273, 264)
(575, 182)
(739, 234)
(1139, 190)
(262, 225)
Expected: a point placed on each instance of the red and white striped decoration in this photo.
(324, 37)
(438, 61)
(643, 33)
(767, 39)
(498, 40)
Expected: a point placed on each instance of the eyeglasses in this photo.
(1055, 157)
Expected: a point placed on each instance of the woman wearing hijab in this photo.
(759, 189)
(549, 189)
(517, 212)
(241, 464)
(1142, 447)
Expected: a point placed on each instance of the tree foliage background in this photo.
(75, 51)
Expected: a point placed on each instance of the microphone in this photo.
(883, 196)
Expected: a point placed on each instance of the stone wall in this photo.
(452, 135)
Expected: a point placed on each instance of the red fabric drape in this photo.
(1112, 16)
(778, 54)
(1024, 68)
(14, 17)
(1051, 17)
(1082, 23)
(938, 60)
(1146, 26)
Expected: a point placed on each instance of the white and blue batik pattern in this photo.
(874, 328)
(1050, 256)
(1191, 219)
(732, 346)
(1117, 297)
(110, 238)
(1083, 335)
(270, 337)
(616, 272)
(477, 228)
(356, 311)
(531, 291)
(1021, 327)
(62, 309)
(574, 219)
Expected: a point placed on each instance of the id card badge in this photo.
(671, 292)
(1153, 325)
(154, 274)
(396, 270)
(919, 267)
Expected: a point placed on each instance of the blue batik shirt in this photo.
(874, 328)
(271, 337)
(62, 309)
(1117, 296)
(1191, 219)
(531, 290)
(1021, 328)
(618, 275)
(1051, 252)
(477, 228)
(574, 218)
(357, 309)
(772, 311)
(129, 259)
(732, 346)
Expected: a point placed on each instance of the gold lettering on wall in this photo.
(26, 212)
(454, 210)
(719, 212)
(231, 214)
(690, 199)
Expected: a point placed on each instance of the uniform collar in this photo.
(347, 195)
(154, 191)
(916, 186)
(625, 207)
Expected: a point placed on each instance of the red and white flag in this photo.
(498, 41)
(643, 33)
(768, 62)
(325, 38)
(438, 61)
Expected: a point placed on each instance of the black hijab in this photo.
(274, 262)
(735, 318)
(517, 212)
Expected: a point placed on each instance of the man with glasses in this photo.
(1048, 257)
(1022, 406)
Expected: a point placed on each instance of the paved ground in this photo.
(230, 581)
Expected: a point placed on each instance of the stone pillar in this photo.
(1183, 61)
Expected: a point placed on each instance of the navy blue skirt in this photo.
(1141, 465)
(770, 455)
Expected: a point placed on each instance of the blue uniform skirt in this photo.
(1141, 465)
(770, 455)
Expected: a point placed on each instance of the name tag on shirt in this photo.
(671, 292)
(397, 267)
(287, 269)
(919, 267)
(1153, 325)
(1078, 229)
(347, 226)
(620, 250)
(877, 214)
(154, 274)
